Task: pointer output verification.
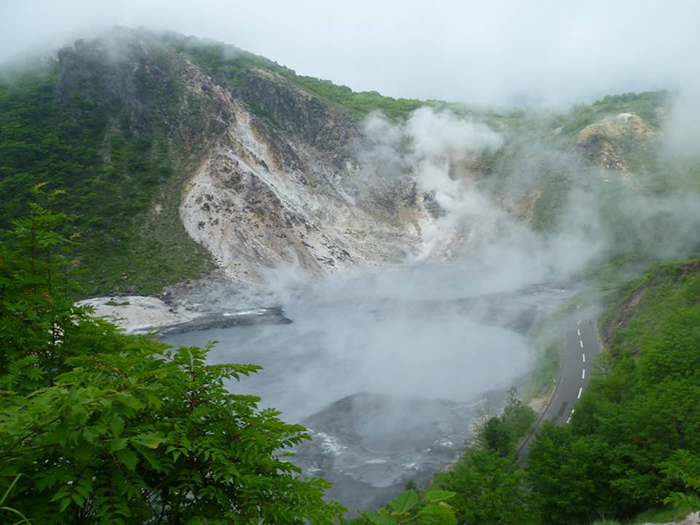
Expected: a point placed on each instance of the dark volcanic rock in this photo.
(273, 315)
(298, 113)
(370, 445)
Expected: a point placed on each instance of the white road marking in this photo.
(578, 332)
(583, 374)
(580, 390)
(581, 343)
(578, 322)
(568, 420)
(584, 357)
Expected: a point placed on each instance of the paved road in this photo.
(580, 345)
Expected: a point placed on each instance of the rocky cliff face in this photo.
(269, 174)
(610, 141)
(197, 150)
(284, 188)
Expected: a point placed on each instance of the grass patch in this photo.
(546, 337)
(544, 375)
(659, 515)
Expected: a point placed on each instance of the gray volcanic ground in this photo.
(388, 372)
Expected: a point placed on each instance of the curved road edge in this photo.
(580, 345)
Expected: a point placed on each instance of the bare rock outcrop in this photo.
(280, 186)
(608, 142)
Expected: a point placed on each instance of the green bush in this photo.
(488, 483)
(409, 507)
(501, 434)
(620, 454)
(101, 427)
(490, 489)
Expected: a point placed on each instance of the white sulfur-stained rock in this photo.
(136, 313)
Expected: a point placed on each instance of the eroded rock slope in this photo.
(282, 185)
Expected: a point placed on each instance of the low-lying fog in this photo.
(390, 368)
(387, 371)
(361, 337)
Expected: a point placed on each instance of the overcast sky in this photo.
(485, 51)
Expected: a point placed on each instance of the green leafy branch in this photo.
(402, 508)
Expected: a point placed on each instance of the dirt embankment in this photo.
(619, 316)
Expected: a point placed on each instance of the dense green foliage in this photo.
(684, 467)
(100, 427)
(648, 105)
(641, 408)
(40, 139)
(232, 64)
(410, 507)
(490, 488)
(360, 103)
(66, 127)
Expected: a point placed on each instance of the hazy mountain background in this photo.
(419, 243)
(182, 156)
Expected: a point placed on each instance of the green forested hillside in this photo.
(62, 124)
(618, 455)
(121, 135)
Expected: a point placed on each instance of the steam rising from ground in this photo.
(468, 227)
(498, 52)
(471, 224)
(452, 322)
(409, 332)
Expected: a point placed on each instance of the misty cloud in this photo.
(452, 322)
(475, 229)
(435, 134)
(504, 51)
(683, 127)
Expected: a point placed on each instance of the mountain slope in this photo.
(182, 156)
(639, 410)
(112, 126)
(123, 122)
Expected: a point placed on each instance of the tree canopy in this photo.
(101, 427)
